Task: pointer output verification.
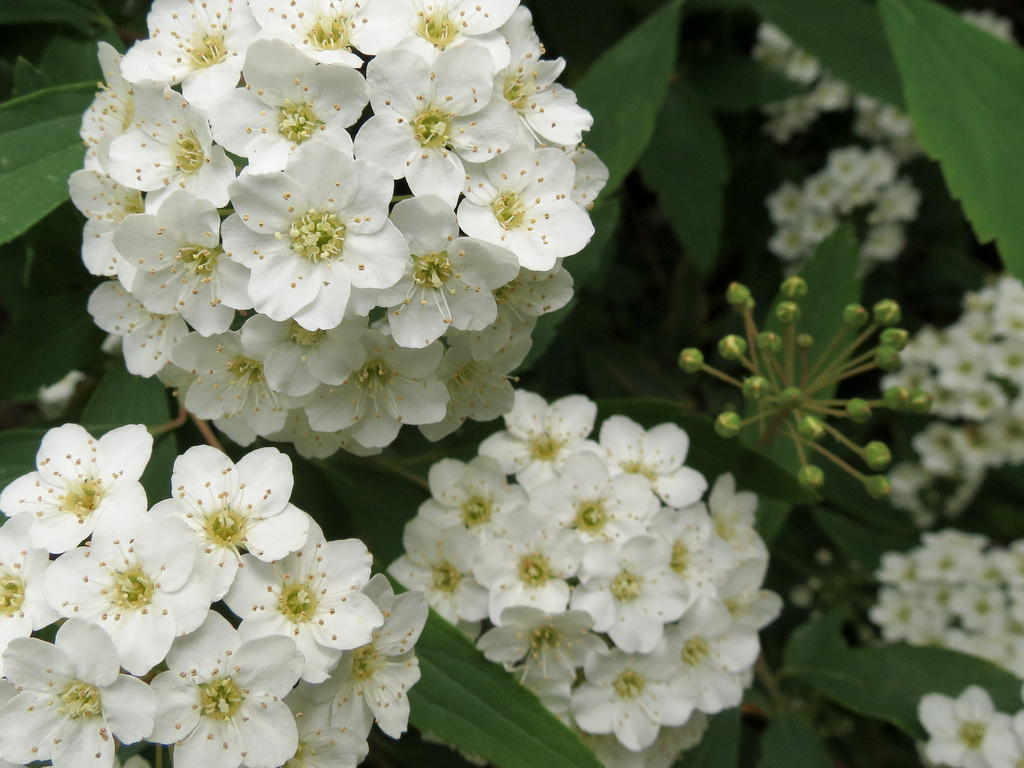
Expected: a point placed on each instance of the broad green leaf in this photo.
(13, 12)
(39, 149)
(625, 88)
(846, 36)
(686, 165)
(965, 92)
(858, 542)
(790, 741)
(477, 706)
(732, 82)
(710, 454)
(18, 449)
(73, 59)
(720, 747)
(28, 78)
(887, 682)
(49, 338)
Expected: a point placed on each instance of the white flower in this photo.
(105, 203)
(221, 699)
(732, 513)
(958, 728)
(1004, 745)
(395, 386)
(146, 337)
(522, 201)
(72, 703)
(448, 280)
(313, 232)
(322, 745)
(110, 113)
(538, 438)
(310, 596)
(234, 508)
(699, 555)
(199, 44)
(169, 148)
(23, 606)
(135, 581)
(475, 495)
(373, 681)
(441, 24)
(181, 266)
(663, 753)
(750, 605)
(431, 117)
(80, 481)
(287, 101)
(631, 591)
(591, 175)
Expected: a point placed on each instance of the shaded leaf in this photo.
(858, 542)
(720, 747)
(790, 741)
(731, 82)
(15, 12)
(27, 78)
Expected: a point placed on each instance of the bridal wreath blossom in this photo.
(600, 577)
(324, 220)
(145, 590)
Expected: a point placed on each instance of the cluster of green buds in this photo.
(793, 398)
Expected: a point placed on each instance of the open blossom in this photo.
(321, 744)
(80, 480)
(438, 25)
(106, 204)
(961, 730)
(23, 606)
(110, 113)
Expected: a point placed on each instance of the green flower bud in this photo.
(691, 359)
(877, 455)
(794, 288)
(792, 395)
(877, 486)
(855, 316)
(897, 398)
(755, 387)
(858, 410)
(810, 427)
(887, 312)
(920, 401)
(804, 340)
(887, 358)
(896, 338)
(738, 296)
(728, 424)
(810, 477)
(769, 342)
(787, 312)
(732, 347)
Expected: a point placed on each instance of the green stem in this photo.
(723, 376)
(832, 457)
(824, 355)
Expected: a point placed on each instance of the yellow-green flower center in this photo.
(475, 511)
(134, 589)
(304, 337)
(298, 603)
(226, 528)
(199, 261)
(366, 660)
(188, 154)
(519, 90)
(298, 121)
(246, 371)
(629, 684)
(82, 498)
(220, 699)
(207, 50)
(680, 558)
(509, 210)
(446, 577)
(431, 128)
(318, 236)
(546, 637)
(695, 650)
(375, 376)
(12, 594)
(329, 33)
(437, 29)
(590, 516)
(972, 734)
(80, 700)
(638, 468)
(626, 587)
(534, 569)
(431, 270)
(298, 761)
(544, 448)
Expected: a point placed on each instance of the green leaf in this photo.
(732, 82)
(887, 682)
(39, 149)
(710, 454)
(18, 449)
(477, 706)
(28, 78)
(965, 92)
(790, 741)
(625, 88)
(720, 747)
(686, 165)
(48, 339)
(847, 36)
(14, 12)
(860, 543)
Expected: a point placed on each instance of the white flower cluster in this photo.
(957, 592)
(969, 732)
(342, 99)
(611, 590)
(853, 182)
(139, 653)
(974, 370)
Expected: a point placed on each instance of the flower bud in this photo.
(732, 347)
(792, 395)
(810, 476)
(858, 410)
(887, 312)
(728, 424)
(787, 312)
(877, 455)
(887, 358)
(769, 342)
(738, 296)
(920, 401)
(794, 288)
(755, 387)
(896, 398)
(691, 359)
(896, 338)
(855, 316)
(810, 427)
(804, 340)
(877, 486)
